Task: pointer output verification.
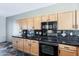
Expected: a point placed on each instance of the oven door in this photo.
(48, 50)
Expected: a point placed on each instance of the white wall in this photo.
(11, 21)
(2, 28)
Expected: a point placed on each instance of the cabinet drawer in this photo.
(67, 47)
(67, 53)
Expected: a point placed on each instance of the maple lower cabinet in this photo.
(37, 23)
(67, 50)
(15, 42)
(34, 47)
(52, 17)
(45, 18)
(21, 44)
(78, 51)
(27, 45)
(66, 20)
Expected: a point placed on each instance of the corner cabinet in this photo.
(37, 23)
(66, 20)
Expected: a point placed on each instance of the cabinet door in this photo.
(45, 18)
(78, 51)
(67, 53)
(27, 45)
(37, 22)
(67, 50)
(77, 20)
(15, 42)
(20, 44)
(24, 24)
(34, 47)
(66, 20)
(30, 23)
(53, 17)
(19, 22)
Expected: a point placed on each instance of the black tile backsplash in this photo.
(68, 36)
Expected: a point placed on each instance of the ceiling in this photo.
(9, 9)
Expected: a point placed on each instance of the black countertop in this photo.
(49, 43)
(31, 38)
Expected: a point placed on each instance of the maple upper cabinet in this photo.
(53, 17)
(44, 18)
(34, 47)
(37, 22)
(19, 23)
(77, 20)
(30, 22)
(66, 20)
(24, 23)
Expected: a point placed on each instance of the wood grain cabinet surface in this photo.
(15, 42)
(24, 23)
(78, 51)
(52, 17)
(77, 20)
(45, 18)
(66, 20)
(21, 44)
(67, 50)
(37, 23)
(34, 47)
(27, 45)
(30, 22)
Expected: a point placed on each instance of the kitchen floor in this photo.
(6, 49)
